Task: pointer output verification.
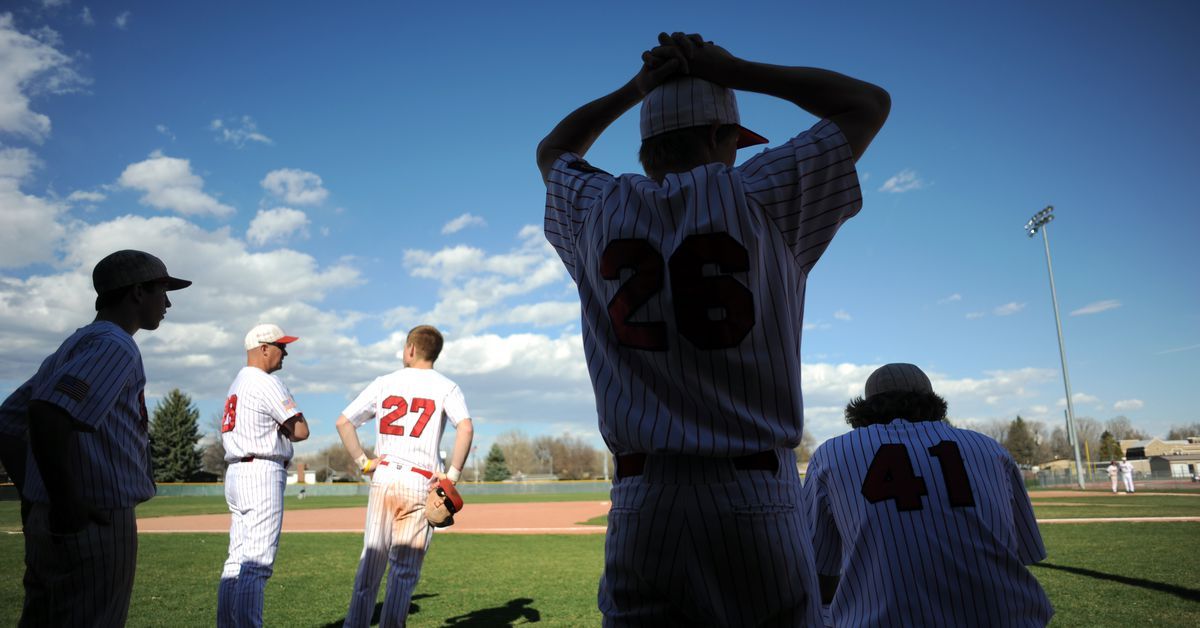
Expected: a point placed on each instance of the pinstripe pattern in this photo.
(783, 206)
(81, 579)
(112, 463)
(938, 565)
(14, 412)
(692, 541)
(254, 493)
(396, 532)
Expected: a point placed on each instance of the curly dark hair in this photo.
(885, 407)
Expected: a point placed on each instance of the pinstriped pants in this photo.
(695, 542)
(81, 579)
(396, 536)
(254, 492)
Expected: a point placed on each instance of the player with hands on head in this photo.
(84, 417)
(258, 427)
(409, 492)
(918, 523)
(692, 282)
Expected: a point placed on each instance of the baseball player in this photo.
(1113, 470)
(692, 281)
(917, 523)
(89, 447)
(1126, 468)
(412, 406)
(258, 427)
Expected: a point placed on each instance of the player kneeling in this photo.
(917, 523)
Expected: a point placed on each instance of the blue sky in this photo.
(349, 170)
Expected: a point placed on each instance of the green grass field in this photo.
(1097, 574)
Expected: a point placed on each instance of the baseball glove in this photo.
(442, 503)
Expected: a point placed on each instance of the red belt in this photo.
(630, 465)
(419, 471)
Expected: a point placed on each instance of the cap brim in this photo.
(288, 339)
(174, 283)
(746, 137)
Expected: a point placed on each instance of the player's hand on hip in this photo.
(370, 466)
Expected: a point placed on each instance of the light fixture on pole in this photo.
(1035, 224)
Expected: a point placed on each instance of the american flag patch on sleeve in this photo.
(72, 387)
(288, 404)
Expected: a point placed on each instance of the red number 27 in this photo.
(399, 406)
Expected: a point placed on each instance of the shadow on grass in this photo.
(506, 615)
(413, 609)
(1191, 595)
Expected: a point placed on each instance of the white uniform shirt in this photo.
(1126, 468)
(1112, 471)
(692, 290)
(947, 547)
(96, 376)
(257, 404)
(412, 406)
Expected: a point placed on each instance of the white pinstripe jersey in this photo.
(412, 406)
(257, 404)
(927, 525)
(692, 290)
(96, 376)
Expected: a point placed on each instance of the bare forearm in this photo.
(349, 435)
(580, 129)
(464, 434)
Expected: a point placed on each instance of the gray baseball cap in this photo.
(897, 377)
(689, 102)
(129, 267)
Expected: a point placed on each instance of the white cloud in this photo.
(85, 16)
(842, 315)
(950, 299)
(1008, 309)
(904, 181)
(162, 129)
(462, 222)
(1126, 405)
(1097, 307)
(296, 187)
(81, 196)
(30, 66)
(50, 4)
(238, 131)
(975, 315)
(1178, 349)
(276, 224)
(1079, 399)
(31, 230)
(169, 184)
(122, 20)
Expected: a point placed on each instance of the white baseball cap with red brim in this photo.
(266, 334)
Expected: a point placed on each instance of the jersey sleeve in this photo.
(571, 193)
(1029, 538)
(807, 187)
(827, 541)
(279, 400)
(455, 406)
(362, 409)
(86, 386)
(14, 412)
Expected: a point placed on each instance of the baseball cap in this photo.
(897, 377)
(689, 102)
(266, 334)
(130, 267)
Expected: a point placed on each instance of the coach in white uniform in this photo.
(88, 439)
(1126, 468)
(412, 406)
(258, 427)
(917, 523)
(692, 285)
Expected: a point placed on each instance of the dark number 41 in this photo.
(891, 476)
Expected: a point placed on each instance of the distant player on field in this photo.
(412, 406)
(917, 523)
(85, 411)
(1126, 468)
(692, 282)
(258, 427)
(1113, 470)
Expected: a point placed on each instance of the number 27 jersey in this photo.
(411, 406)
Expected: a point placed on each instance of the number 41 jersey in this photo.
(692, 290)
(411, 406)
(926, 525)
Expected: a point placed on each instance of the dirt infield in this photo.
(530, 518)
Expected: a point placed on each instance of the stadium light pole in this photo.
(1038, 223)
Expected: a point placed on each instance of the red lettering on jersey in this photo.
(400, 408)
(229, 419)
(891, 476)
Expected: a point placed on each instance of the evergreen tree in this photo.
(1110, 449)
(173, 437)
(1020, 443)
(495, 469)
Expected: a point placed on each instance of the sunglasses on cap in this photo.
(445, 500)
